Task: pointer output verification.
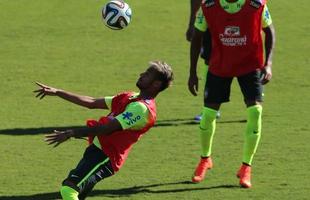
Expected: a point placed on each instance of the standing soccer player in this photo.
(236, 28)
(111, 138)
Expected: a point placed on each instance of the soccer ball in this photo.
(116, 14)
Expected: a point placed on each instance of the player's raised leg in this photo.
(93, 167)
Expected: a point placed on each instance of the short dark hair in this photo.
(164, 73)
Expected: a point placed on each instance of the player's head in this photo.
(157, 77)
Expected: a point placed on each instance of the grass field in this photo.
(64, 43)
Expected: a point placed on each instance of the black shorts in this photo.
(93, 167)
(217, 89)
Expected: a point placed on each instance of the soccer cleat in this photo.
(201, 169)
(197, 118)
(244, 174)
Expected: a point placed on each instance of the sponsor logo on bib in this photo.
(232, 37)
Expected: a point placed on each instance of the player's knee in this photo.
(68, 193)
(71, 183)
(250, 103)
(255, 111)
(208, 116)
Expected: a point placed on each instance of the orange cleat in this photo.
(244, 174)
(201, 169)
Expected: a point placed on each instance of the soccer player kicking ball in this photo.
(236, 28)
(111, 138)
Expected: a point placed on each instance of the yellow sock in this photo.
(207, 129)
(252, 133)
(68, 193)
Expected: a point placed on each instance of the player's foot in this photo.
(197, 118)
(244, 174)
(201, 169)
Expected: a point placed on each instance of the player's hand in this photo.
(45, 90)
(266, 74)
(58, 137)
(193, 84)
(189, 33)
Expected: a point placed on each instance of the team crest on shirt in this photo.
(231, 36)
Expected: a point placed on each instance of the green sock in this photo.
(207, 129)
(68, 193)
(252, 133)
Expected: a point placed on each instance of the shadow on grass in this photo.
(190, 121)
(159, 123)
(124, 192)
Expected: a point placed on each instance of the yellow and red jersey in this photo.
(118, 144)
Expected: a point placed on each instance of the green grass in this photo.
(65, 44)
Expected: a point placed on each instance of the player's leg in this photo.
(85, 192)
(198, 117)
(93, 167)
(252, 91)
(217, 91)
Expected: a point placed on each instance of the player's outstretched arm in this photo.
(85, 101)
(58, 137)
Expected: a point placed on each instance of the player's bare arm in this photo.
(194, 5)
(85, 101)
(194, 55)
(58, 137)
(269, 46)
